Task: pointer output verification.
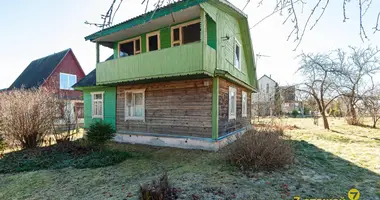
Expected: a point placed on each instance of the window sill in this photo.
(134, 119)
(97, 117)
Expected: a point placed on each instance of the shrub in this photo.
(262, 149)
(294, 113)
(2, 144)
(354, 121)
(27, 115)
(100, 132)
(158, 190)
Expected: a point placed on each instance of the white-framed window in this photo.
(66, 81)
(135, 104)
(237, 55)
(153, 42)
(244, 104)
(232, 103)
(97, 104)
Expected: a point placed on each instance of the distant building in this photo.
(58, 72)
(288, 100)
(264, 100)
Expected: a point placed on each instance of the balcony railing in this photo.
(176, 61)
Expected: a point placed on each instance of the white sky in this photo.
(34, 29)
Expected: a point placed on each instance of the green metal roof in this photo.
(144, 18)
(161, 12)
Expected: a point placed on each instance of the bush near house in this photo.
(2, 144)
(99, 133)
(262, 149)
(27, 115)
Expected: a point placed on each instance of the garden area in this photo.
(326, 164)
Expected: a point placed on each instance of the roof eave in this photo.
(144, 18)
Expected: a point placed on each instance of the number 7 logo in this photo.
(353, 194)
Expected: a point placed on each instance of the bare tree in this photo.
(66, 122)
(355, 76)
(292, 11)
(27, 114)
(318, 71)
(372, 105)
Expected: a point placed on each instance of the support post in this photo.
(97, 53)
(215, 108)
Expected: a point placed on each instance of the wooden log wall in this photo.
(174, 107)
(227, 126)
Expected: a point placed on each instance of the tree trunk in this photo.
(325, 121)
(374, 122)
(353, 114)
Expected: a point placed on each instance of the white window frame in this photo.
(68, 79)
(92, 105)
(230, 114)
(135, 52)
(125, 104)
(158, 40)
(180, 26)
(237, 43)
(244, 104)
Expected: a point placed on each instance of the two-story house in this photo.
(58, 72)
(264, 101)
(180, 76)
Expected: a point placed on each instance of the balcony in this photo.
(182, 60)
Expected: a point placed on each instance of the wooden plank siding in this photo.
(227, 126)
(175, 107)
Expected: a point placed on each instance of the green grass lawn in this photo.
(328, 164)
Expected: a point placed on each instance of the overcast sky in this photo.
(34, 29)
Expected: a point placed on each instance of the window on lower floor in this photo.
(97, 104)
(244, 104)
(135, 105)
(66, 81)
(232, 103)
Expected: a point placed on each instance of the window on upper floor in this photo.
(267, 88)
(153, 41)
(130, 47)
(237, 55)
(66, 81)
(186, 33)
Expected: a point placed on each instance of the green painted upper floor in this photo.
(190, 37)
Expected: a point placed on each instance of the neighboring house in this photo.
(180, 76)
(289, 101)
(264, 101)
(59, 72)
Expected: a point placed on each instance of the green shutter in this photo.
(211, 32)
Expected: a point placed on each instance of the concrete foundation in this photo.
(179, 141)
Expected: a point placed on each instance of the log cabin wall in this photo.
(227, 126)
(180, 108)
